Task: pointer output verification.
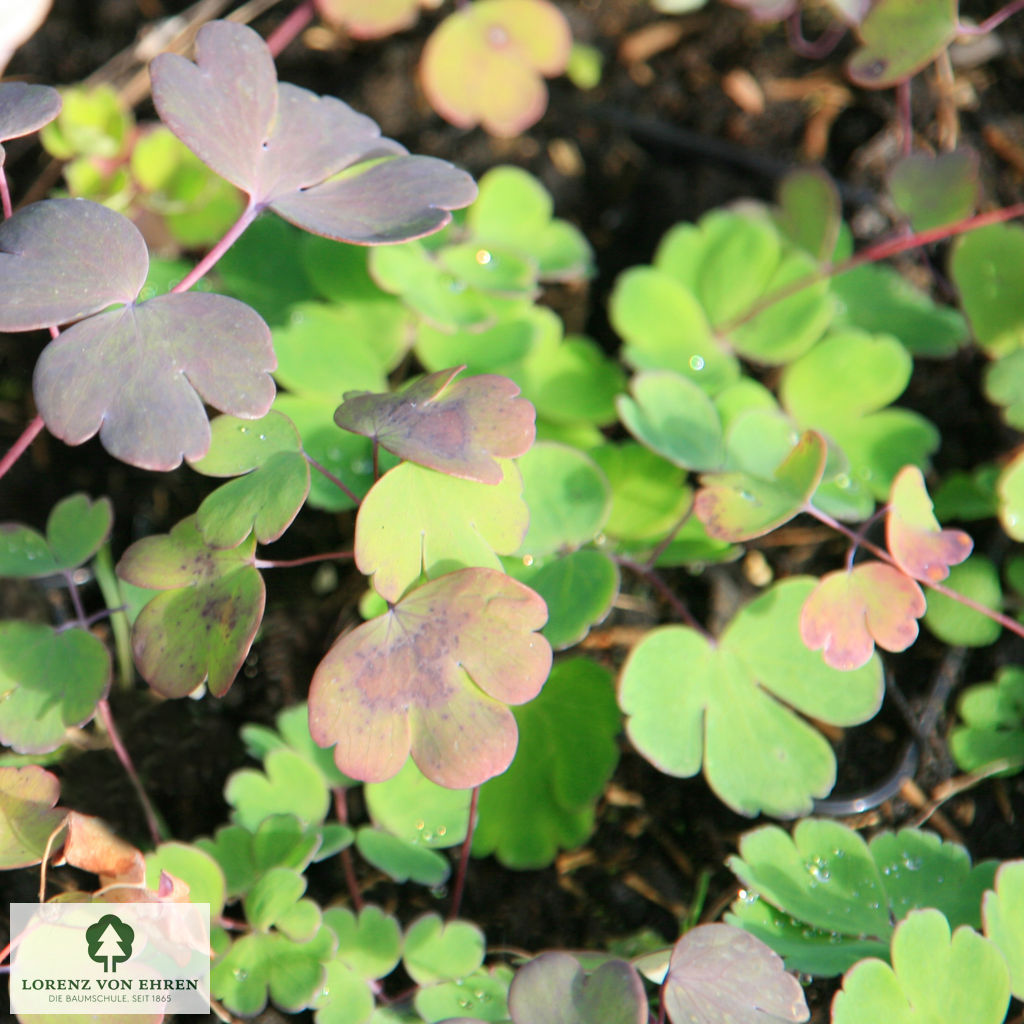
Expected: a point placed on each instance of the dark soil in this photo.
(657, 142)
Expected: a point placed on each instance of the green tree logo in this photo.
(110, 942)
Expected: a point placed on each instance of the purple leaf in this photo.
(723, 975)
(25, 108)
(66, 258)
(456, 428)
(280, 144)
(140, 375)
(433, 676)
(553, 989)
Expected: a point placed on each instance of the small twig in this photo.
(953, 787)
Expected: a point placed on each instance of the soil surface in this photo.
(692, 112)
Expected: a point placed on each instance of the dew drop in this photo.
(420, 825)
(483, 257)
(843, 482)
(240, 973)
(443, 830)
(527, 559)
(696, 362)
(263, 437)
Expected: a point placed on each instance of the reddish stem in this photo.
(341, 810)
(460, 874)
(324, 471)
(648, 573)
(816, 49)
(207, 263)
(5, 194)
(292, 25)
(991, 22)
(15, 452)
(906, 115)
(288, 563)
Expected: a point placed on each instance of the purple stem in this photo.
(991, 22)
(292, 25)
(207, 263)
(5, 194)
(819, 48)
(323, 470)
(341, 810)
(15, 452)
(460, 874)
(906, 116)
(649, 574)
(288, 563)
(663, 544)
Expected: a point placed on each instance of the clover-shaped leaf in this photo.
(458, 523)
(850, 611)
(285, 146)
(1003, 911)
(916, 542)
(739, 506)
(455, 427)
(987, 270)
(824, 899)
(977, 580)
(484, 63)
(410, 806)
(566, 754)
(992, 717)
(273, 488)
(435, 950)
(50, 681)
(963, 980)
(936, 190)
(291, 784)
(25, 108)
(197, 868)
(27, 814)
(434, 675)
(401, 860)
(75, 530)
(728, 705)
(553, 988)
(901, 37)
(480, 996)
(370, 943)
(719, 973)
(201, 627)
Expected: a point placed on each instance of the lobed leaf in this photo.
(27, 814)
(935, 190)
(553, 988)
(433, 676)
(1003, 911)
(958, 980)
(25, 108)
(988, 271)
(289, 785)
(484, 63)
(363, 20)
(991, 721)
(976, 579)
(370, 943)
(286, 147)
(401, 860)
(201, 628)
(456, 427)
(917, 544)
(739, 506)
(720, 974)
(192, 865)
(76, 528)
(849, 611)
(435, 950)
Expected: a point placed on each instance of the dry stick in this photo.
(460, 874)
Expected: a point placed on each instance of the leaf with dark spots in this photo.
(434, 676)
(285, 146)
(455, 427)
(66, 258)
(201, 627)
(140, 376)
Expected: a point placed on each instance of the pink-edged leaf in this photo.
(915, 540)
(455, 427)
(26, 108)
(720, 974)
(27, 814)
(373, 20)
(200, 629)
(140, 376)
(281, 144)
(434, 676)
(848, 612)
(62, 259)
(738, 506)
(553, 988)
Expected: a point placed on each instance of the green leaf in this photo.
(435, 950)
(27, 814)
(76, 529)
(987, 267)
(1003, 911)
(413, 808)
(50, 681)
(200, 629)
(273, 895)
(878, 299)
(728, 706)
(192, 865)
(579, 589)
(956, 624)
(480, 996)
(825, 899)
(495, 349)
(1010, 497)
(900, 38)
(739, 506)
(933, 190)
(933, 978)
(370, 944)
(567, 495)
(675, 418)
(992, 717)
(268, 497)
(810, 211)
(457, 523)
(401, 860)
(345, 997)
(566, 754)
(291, 785)
(1004, 383)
